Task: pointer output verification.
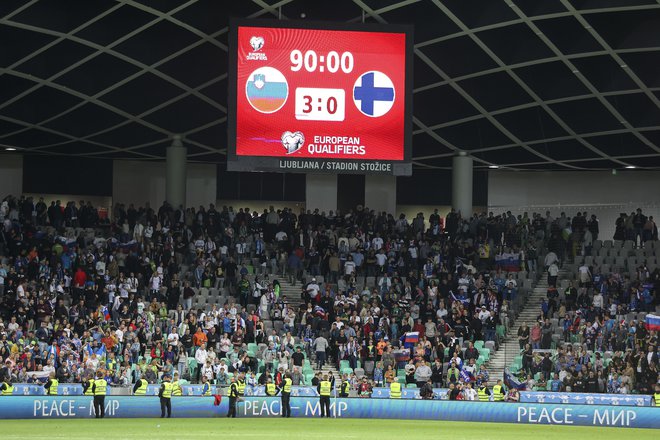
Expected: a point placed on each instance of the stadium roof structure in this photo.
(519, 84)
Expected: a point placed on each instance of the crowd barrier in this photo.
(28, 407)
(378, 393)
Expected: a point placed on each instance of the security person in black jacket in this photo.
(100, 389)
(345, 386)
(286, 395)
(165, 394)
(233, 396)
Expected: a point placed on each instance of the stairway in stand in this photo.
(510, 347)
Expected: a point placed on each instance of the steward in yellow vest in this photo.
(100, 389)
(498, 392)
(140, 388)
(176, 387)
(483, 392)
(240, 383)
(87, 385)
(233, 397)
(271, 389)
(286, 396)
(165, 395)
(325, 390)
(7, 388)
(51, 385)
(395, 389)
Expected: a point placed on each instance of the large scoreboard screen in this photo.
(318, 97)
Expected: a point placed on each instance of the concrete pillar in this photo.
(380, 193)
(321, 192)
(461, 192)
(175, 177)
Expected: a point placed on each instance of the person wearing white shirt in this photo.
(377, 243)
(313, 289)
(584, 275)
(598, 301)
(173, 337)
(200, 356)
(132, 283)
(484, 314)
(349, 266)
(469, 393)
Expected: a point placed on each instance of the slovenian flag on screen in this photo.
(412, 338)
(653, 322)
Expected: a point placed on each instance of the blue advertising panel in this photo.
(75, 389)
(25, 407)
(586, 399)
(378, 393)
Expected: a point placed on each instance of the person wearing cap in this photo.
(165, 395)
(99, 388)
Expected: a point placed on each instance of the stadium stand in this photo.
(215, 293)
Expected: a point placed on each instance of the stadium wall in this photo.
(141, 182)
(596, 192)
(11, 175)
(19, 407)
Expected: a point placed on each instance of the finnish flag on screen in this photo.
(373, 94)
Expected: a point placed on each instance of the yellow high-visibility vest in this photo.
(395, 390)
(270, 389)
(287, 385)
(176, 388)
(483, 396)
(167, 390)
(497, 393)
(9, 389)
(142, 389)
(89, 391)
(100, 387)
(241, 386)
(54, 383)
(326, 388)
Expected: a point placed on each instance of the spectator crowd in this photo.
(413, 300)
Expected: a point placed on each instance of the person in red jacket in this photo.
(80, 278)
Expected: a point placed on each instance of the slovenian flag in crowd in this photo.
(411, 338)
(106, 313)
(512, 382)
(52, 354)
(508, 261)
(465, 376)
(653, 322)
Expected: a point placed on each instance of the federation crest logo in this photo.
(373, 94)
(267, 90)
(292, 142)
(257, 43)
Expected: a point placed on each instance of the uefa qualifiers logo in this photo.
(257, 43)
(292, 142)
